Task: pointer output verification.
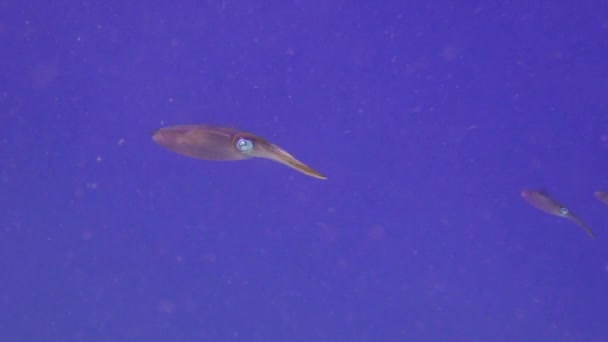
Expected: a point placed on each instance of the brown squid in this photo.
(222, 143)
(547, 204)
(602, 196)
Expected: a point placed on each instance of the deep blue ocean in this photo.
(429, 120)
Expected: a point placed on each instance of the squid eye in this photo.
(563, 211)
(244, 145)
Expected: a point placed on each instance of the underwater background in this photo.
(429, 119)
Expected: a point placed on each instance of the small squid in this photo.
(222, 143)
(547, 204)
(602, 196)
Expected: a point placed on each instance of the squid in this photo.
(547, 204)
(224, 144)
(602, 196)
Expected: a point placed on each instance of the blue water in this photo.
(428, 118)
